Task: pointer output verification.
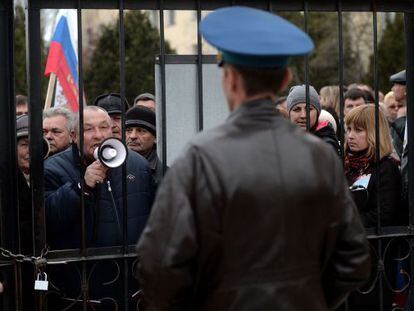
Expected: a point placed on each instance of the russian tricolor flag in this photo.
(63, 62)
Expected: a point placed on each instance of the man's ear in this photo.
(231, 75)
(287, 77)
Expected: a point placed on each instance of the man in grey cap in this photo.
(23, 155)
(399, 81)
(239, 222)
(397, 128)
(145, 100)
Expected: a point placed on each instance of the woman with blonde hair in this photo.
(360, 167)
(329, 97)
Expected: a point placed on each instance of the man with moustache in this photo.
(141, 137)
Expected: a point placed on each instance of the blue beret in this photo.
(255, 38)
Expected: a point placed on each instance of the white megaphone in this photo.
(112, 152)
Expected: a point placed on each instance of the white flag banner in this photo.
(60, 98)
(72, 18)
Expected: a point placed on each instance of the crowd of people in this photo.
(360, 141)
(202, 204)
(362, 163)
(373, 166)
(103, 193)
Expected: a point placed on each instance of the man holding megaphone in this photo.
(102, 194)
(103, 158)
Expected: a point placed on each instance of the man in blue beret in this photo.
(249, 217)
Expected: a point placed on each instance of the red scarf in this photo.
(356, 165)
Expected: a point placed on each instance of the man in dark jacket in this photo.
(103, 216)
(103, 202)
(255, 215)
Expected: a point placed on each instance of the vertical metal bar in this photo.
(8, 162)
(341, 93)
(199, 70)
(81, 140)
(306, 16)
(124, 168)
(163, 88)
(341, 77)
(377, 112)
(33, 60)
(122, 88)
(377, 153)
(84, 280)
(409, 61)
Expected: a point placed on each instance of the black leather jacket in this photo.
(255, 215)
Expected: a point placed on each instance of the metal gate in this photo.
(116, 264)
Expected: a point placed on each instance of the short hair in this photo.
(64, 112)
(360, 86)
(259, 80)
(21, 100)
(368, 97)
(90, 108)
(354, 94)
(363, 117)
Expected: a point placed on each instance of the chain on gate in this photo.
(41, 283)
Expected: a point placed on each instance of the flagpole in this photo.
(50, 90)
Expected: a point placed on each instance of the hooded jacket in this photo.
(326, 132)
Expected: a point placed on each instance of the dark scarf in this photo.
(357, 164)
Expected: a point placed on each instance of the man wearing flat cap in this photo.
(145, 100)
(141, 136)
(397, 128)
(113, 106)
(239, 222)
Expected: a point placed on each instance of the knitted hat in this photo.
(111, 103)
(297, 95)
(139, 116)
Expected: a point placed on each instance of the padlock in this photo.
(41, 284)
